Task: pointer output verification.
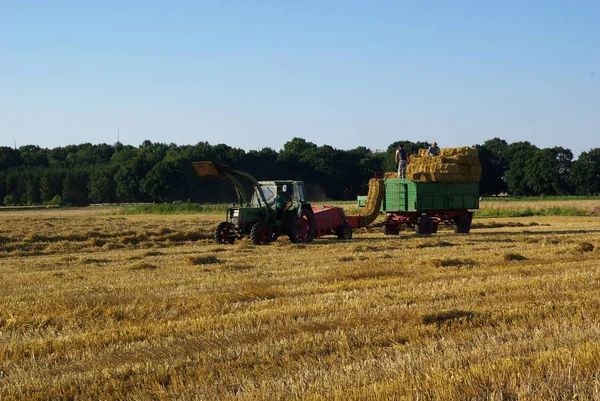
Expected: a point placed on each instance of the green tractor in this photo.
(258, 217)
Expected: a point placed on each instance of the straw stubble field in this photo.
(100, 306)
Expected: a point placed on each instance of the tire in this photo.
(224, 233)
(434, 226)
(261, 233)
(301, 229)
(344, 232)
(462, 224)
(424, 225)
(390, 230)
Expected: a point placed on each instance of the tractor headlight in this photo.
(234, 217)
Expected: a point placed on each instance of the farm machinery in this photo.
(258, 217)
(426, 205)
(440, 189)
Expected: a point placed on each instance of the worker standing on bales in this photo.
(433, 149)
(401, 161)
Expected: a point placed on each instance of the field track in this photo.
(101, 306)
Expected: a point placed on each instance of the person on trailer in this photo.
(433, 150)
(401, 161)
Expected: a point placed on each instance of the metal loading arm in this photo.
(209, 169)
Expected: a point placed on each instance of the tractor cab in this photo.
(292, 191)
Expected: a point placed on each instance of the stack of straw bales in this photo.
(374, 198)
(451, 165)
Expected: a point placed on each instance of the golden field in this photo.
(101, 306)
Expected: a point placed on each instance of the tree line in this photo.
(159, 172)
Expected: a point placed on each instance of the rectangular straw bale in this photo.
(452, 165)
(476, 169)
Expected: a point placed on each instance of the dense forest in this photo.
(158, 172)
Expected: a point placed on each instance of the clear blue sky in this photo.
(254, 74)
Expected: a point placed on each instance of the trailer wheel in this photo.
(344, 232)
(301, 229)
(424, 225)
(224, 233)
(434, 226)
(462, 224)
(260, 234)
(390, 230)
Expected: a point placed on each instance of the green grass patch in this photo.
(529, 212)
(170, 208)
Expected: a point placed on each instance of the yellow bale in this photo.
(451, 165)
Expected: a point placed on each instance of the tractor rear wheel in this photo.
(344, 232)
(224, 233)
(424, 225)
(261, 233)
(301, 229)
(462, 224)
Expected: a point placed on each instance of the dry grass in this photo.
(148, 307)
(587, 205)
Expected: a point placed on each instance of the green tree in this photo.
(494, 164)
(2, 186)
(517, 155)
(586, 173)
(33, 155)
(51, 184)
(88, 154)
(74, 190)
(547, 172)
(102, 187)
(57, 157)
(32, 187)
(295, 150)
(127, 180)
(9, 157)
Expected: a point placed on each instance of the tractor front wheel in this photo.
(261, 233)
(224, 233)
(301, 228)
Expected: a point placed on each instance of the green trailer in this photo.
(426, 205)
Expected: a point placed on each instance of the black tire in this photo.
(224, 233)
(390, 230)
(344, 232)
(261, 233)
(301, 229)
(462, 224)
(434, 226)
(424, 225)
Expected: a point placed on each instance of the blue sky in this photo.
(255, 74)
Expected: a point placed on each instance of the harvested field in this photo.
(98, 306)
